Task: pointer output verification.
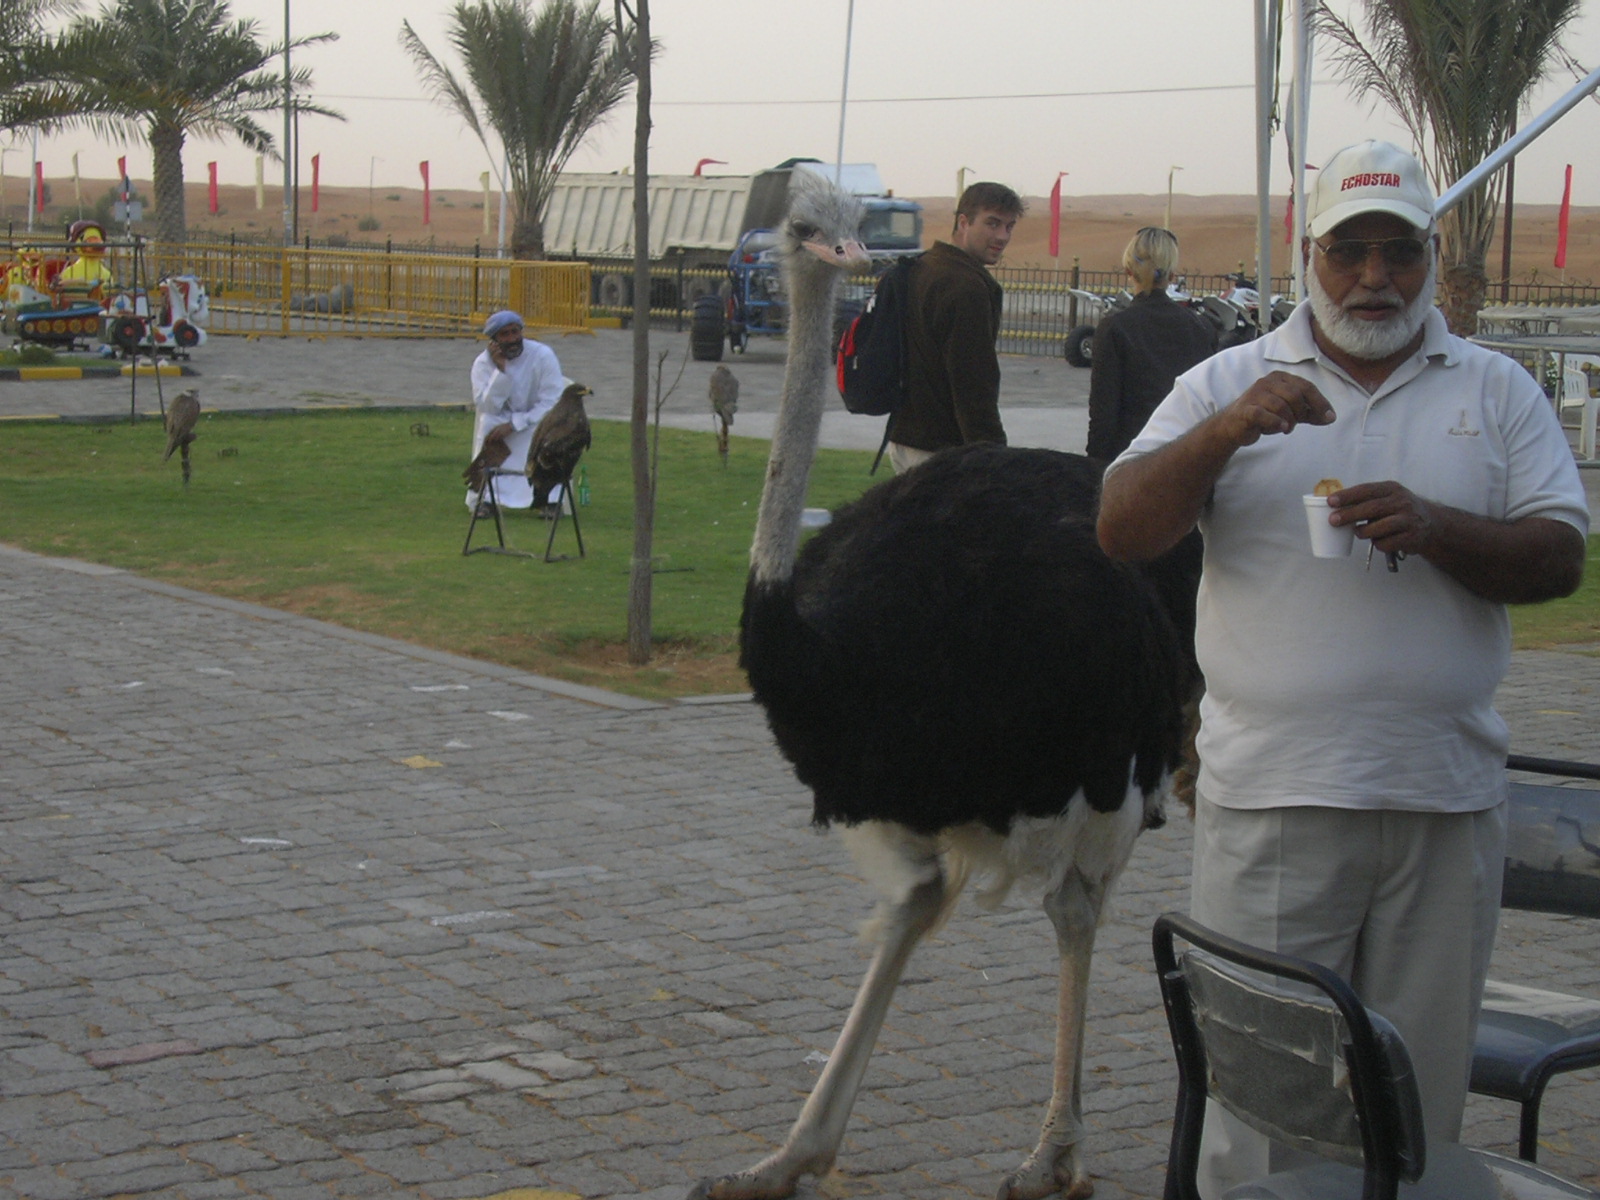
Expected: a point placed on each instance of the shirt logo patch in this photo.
(1462, 429)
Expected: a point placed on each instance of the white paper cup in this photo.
(1327, 541)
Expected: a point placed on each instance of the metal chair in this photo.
(488, 501)
(1527, 1036)
(1284, 1045)
(566, 503)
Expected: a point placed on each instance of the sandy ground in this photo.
(1216, 232)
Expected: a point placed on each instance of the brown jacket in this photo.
(952, 372)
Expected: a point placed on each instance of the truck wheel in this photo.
(1079, 348)
(616, 290)
(706, 330)
(695, 287)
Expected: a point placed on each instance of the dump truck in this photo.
(697, 221)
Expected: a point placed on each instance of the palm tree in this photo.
(1456, 72)
(543, 81)
(184, 67)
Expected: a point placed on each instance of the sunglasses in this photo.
(1350, 254)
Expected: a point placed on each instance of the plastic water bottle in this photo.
(583, 486)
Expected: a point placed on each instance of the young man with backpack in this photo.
(952, 322)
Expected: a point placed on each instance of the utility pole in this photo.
(288, 136)
(1167, 223)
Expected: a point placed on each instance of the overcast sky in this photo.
(1017, 92)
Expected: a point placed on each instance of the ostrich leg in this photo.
(1055, 1164)
(813, 1143)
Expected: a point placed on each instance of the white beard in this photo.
(1371, 340)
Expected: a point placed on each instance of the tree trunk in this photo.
(1465, 285)
(166, 152)
(527, 240)
(639, 579)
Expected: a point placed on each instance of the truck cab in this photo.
(755, 305)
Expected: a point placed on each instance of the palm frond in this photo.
(437, 78)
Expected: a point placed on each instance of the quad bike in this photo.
(1079, 345)
(1234, 311)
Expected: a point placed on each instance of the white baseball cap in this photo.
(1369, 177)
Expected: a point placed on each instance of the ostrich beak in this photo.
(848, 254)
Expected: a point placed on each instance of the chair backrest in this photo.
(1284, 1045)
(1574, 387)
(1553, 850)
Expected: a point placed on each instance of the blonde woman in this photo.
(1139, 351)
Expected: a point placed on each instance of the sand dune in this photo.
(1216, 233)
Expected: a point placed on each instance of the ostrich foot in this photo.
(773, 1178)
(1048, 1170)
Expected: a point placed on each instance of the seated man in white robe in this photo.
(515, 381)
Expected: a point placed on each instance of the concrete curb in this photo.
(472, 666)
(52, 374)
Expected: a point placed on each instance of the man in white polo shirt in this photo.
(1351, 797)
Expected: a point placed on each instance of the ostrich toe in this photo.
(771, 1179)
(1048, 1171)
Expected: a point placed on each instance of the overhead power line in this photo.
(1151, 91)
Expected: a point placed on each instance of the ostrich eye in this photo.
(803, 231)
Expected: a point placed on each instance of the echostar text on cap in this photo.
(1369, 177)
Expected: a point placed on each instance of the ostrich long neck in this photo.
(794, 441)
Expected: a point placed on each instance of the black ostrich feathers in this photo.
(954, 647)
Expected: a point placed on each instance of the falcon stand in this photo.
(488, 497)
(569, 502)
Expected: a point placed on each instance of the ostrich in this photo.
(724, 392)
(967, 684)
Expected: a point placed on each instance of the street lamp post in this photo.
(372, 162)
(288, 137)
(1170, 170)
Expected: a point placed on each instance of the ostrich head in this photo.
(817, 246)
(818, 241)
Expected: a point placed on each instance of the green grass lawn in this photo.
(355, 518)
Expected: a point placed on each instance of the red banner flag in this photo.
(427, 205)
(1561, 222)
(316, 181)
(1055, 216)
(38, 187)
(211, 187)
(122, 175)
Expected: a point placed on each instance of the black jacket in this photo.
(1137, 354)
(952, 370)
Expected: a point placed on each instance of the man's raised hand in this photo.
(1275, 403)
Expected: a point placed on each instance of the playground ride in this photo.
(67, 296)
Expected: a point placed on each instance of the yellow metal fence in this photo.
(291, 291)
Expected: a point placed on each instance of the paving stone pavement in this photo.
(291, 911)
(295, 912)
